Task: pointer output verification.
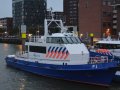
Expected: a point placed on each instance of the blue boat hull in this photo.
(116, 59)
(81, 73)
(117, 78)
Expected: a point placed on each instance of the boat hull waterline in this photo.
(90, 73)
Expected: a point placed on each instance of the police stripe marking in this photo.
(51, 52)
(54, 54)
(57, 52)
(48, 52)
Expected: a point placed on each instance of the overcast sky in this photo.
(6, 7)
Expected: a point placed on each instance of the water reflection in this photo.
(5, 46)
(22, 85)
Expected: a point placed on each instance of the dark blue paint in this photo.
(102, 75)
(60, 49)
(49, 49)
(56, 49)
(114, 58)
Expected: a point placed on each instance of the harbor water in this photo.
(14, 79)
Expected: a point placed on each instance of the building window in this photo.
(107, 14)
(86, 4)
(104, 3)
(109, 3)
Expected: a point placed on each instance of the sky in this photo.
(57, 5)
(6, 7)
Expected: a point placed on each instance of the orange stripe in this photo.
(47, 54)
(58, 55)
(66, 56)
(63, 54)
(55, 54)
(51, 54)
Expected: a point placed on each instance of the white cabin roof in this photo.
(62, 35)
(109, 42)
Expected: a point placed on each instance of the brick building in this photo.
(116, 17)
(71, 12)
(6, 24)
(95, 16)
(100, 17)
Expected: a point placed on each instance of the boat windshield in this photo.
(107, 46)
(70, 41)
(63, 40)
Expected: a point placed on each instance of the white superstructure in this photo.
(61, 48)
(111, 44)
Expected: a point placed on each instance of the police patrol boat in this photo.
(113, 45)
(63, 56)
(110, 47)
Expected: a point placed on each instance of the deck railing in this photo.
(34, 39)
(22, 54)
(102, 59)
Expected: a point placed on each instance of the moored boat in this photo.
(110, 48)
(113, 45)
(62, 55)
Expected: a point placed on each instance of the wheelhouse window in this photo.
(49, 40)
(108, 46)
(78, 40)
(59, 40)
(74, 39)
(55, 40)
(70, 40)
(38, 49)
(118, 46)
(63, 40)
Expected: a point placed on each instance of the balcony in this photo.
(114, 11)
(114, 16)
(114, 26)
(114, 21)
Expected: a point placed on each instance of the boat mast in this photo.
(47, 23)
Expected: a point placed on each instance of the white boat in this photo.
(113, 45)
(110, 47)
(62, 55)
